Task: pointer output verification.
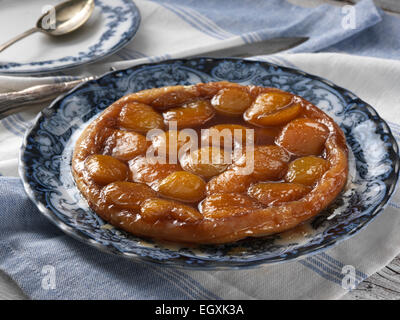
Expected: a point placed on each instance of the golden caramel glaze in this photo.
(169, 142)
(222, 134)
(140, 117)
(192, 114)
(306, 170)
(104, 169)
(206, 161)
(232, 101)
(273, 109)
(303, 137)
(268, 162)
(146, 170)
(224, 205)
(300, 163)
(277, 193)
(232, 180)
(183, 186)
(127, 195)
(125, 145)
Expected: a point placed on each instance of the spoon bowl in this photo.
(69, 16)
(59, 20)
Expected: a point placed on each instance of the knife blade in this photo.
(10, 101)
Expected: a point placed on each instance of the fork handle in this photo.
(36, 94)
(17, 38)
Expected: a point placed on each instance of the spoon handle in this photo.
(17, 38)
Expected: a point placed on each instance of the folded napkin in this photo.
(47, 264)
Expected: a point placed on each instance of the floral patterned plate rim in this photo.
(46, 152)
(112, 25)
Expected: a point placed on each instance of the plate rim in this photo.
(209, 264)
(121, 44)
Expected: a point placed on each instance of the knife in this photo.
(10, 101)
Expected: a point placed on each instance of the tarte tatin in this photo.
(290, 167)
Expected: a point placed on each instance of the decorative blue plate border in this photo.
(47, 149)
(115, 15)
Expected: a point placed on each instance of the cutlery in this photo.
(45, 92)
(69, 16)
(36, 94)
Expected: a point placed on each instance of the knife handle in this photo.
(36, 94)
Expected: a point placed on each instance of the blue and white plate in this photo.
(45, 163)
(112, 25)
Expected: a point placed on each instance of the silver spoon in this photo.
(69, 16)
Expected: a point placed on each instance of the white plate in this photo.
(111, 26)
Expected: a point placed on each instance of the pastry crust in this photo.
(182, 221)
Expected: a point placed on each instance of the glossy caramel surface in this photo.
(207, 194)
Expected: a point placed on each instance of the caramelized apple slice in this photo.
(303, 137)
(266, 163)
(229, 181)
(125, 145)
(140, 117)
(156, 208)
(231, 101)
(149, 171)
(277, 193)
(190, 115)
(169, 143)
(225, 135)
(273, 109)
(173, 96)
(127, 195)
(306, 170)
(206, 162)
(222, 205)
(105, 169)
(183, 186)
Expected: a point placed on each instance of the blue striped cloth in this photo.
(32, 248)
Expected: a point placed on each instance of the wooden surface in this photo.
(385, 284)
